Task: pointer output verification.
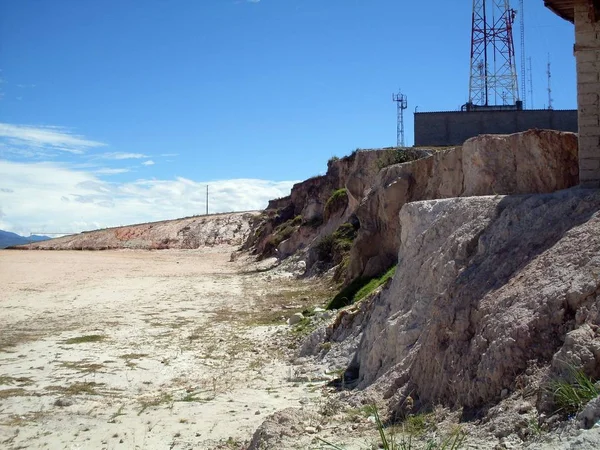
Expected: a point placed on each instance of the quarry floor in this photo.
(142, 349)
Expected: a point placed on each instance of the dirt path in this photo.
(138, 349)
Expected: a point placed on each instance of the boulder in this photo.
(295, 318)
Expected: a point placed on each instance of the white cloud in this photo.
(56, 198)
(35, 139)
(148, 163)
(118, 155)
(109, 171)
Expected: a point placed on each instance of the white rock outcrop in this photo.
(535, 161)
(486, 288)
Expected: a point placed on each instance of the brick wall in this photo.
(587, 52)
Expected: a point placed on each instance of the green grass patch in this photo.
(359, 289)
(82, 366)
(336, 201)
(396, 156)
(13, 392)
(85, 339)
(163, 398)
(77, 388)
(304, 327)
(129, 356)
(571, 393)
(8, 380)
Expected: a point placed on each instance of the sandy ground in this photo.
(138, 349)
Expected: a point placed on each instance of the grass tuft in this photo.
(77, 388)
(85, 339)
(571, 393)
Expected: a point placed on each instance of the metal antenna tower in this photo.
(549, 73)
(493, 76)
(402, 104)
(530, 82)
(523, 58)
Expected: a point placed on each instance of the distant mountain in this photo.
(8, 239)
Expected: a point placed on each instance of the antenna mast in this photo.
(402, 104)
(530, 82)
(493, 76)
(523, 58)
(549, 73)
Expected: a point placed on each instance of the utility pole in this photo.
(207, 199)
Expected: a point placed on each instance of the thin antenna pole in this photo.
(523, 58)
(531, 82)
(207, 199)
(549, 73)
(402, 104)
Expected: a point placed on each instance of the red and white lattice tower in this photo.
(493, 78)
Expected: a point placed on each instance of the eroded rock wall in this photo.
(188, 233)
(536, 161)
(308, 200)
(486, 287)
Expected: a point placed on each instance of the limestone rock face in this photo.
(535, 161)
(485, 288)
(188, 233)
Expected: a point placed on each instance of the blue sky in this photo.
(126, 109)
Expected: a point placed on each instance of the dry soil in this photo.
(141, 349)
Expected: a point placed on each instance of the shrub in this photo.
(396, 156)
(324, 248)
(282, 232)
(333, 247)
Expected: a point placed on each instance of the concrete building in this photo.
(455, 127)
(585, 14)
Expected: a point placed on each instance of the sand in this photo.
(139, 349)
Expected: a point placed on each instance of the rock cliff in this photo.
(378, 183)
(298, 221)
(190, 233)
(536, 161)
(487, 290)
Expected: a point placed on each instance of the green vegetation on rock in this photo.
(571, 393)
(396, 156)
(336, 201)
(359, 289)
(333, 247)
(283, 232)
